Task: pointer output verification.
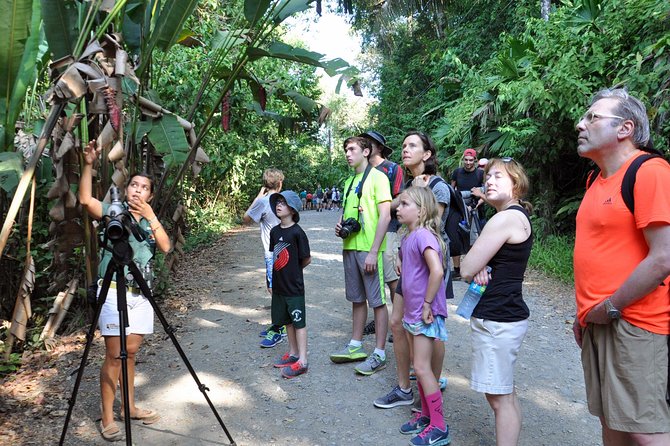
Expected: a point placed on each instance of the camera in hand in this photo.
(349, 226)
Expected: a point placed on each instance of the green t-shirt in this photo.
(376, 189)
(142, 251)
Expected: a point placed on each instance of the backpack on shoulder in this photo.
(457, 224)
(628, 182)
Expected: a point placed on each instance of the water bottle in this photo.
(470, 300)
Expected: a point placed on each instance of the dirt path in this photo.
(219, 305)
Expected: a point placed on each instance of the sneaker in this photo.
(264, 333)
(395, 398)
(295, 369)
(455, 275)
(390, 339)
(271, 339)
(349, 354)
(285, 361)
(443, 383)
(369, 328)
(432, 436)
(371, 365)
(415, 425)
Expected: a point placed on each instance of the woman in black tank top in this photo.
(498, 259)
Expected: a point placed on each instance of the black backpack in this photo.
(628, 182)
(456, 225)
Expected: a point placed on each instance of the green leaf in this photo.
(133, 19)
(11, 169)
(171, 21)
(255, 9)
(28, 68)
(224, 40)
(287, 8)
(169, 139)
(15, 19)
(280, 50)
(306, 104)
(60, 26)
(142, 128)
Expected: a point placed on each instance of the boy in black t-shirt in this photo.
(290, 254)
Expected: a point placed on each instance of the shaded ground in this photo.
(219, 304)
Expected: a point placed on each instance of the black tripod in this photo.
(122, 255)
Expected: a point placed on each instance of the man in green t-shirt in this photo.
(367, 200)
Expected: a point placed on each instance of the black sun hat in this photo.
(379, 139)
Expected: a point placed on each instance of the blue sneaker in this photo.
(415, 425)
(432, 436)
(271, 339)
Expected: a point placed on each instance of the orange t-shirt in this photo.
(610, 244)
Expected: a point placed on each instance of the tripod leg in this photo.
(139, 279)
(122, 306)
(89, 341)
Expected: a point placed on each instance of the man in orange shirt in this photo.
(622, 264)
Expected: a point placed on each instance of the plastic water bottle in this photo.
(470, 300)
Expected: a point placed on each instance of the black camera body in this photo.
(349, 226)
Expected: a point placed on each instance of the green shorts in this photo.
(288, 310)
(626, 376)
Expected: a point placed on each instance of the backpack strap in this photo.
(628, 183)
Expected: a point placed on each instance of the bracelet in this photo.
(153, 220)
(426, 302)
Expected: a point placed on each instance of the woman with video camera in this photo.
(138, 194)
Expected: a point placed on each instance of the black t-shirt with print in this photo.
(289, 246)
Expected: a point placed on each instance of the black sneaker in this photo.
(369, 328)
(455, 275)
(395, 398)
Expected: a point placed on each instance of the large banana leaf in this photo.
(254, 10)
(60, 26)
(168, 137)
(287, 8)
(15, 20)
(280, 50)
(11, 169)
(134, 20)
(169, 24)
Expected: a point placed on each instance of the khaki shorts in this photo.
(495, 346)
(626, 376)
(390, 257)
(360, 286)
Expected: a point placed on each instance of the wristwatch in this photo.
(612, 312)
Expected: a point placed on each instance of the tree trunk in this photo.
(544, 9)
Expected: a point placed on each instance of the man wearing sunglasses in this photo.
(622, 264)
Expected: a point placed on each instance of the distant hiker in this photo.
(260, 212)
(291, 255)
(622, 263)
(303, 199)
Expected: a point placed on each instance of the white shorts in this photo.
(495, 346)
(140, 315)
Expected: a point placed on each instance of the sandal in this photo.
(147, 416)
(111, 432)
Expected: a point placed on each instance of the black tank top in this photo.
(502, 301)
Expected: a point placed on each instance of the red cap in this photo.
(470, 152)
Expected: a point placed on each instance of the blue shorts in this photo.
(437, 329)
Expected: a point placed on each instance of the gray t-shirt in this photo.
(261, 213)
(443, 196)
